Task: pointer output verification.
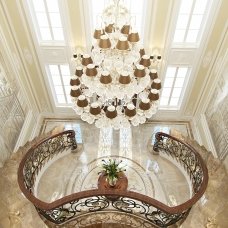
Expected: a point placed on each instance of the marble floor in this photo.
(149, 174)
(146, 172)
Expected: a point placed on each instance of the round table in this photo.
(121, 184)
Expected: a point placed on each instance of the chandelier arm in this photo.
(117, 85)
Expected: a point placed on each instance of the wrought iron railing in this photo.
(85, 203)
(188, 158)
(41, 153)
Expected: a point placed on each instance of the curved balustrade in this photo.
(188, 158)
(77, 205)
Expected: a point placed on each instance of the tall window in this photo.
(47, 20)
(59, 77)
(173, 88)
(190, 22)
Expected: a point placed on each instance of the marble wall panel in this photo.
(217, 115)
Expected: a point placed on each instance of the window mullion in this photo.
(189, 20)
(61, 78)
(49, 20)
(172, 88)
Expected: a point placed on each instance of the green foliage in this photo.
(111, 168)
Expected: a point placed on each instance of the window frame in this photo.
(183, 88)
(201, 29)
(52, 86)
(36, 26)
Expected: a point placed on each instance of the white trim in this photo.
(200, 120)
(28, 124)
(30, 86)
(7, 54)
(198, 61)
(207, 134)
(204, 99)
(198, 53)
(183, 88)
(37, 126)
(171, 115)
(149, 28)
(201, 30)
(85, 8)
(70, 46)
(196, 132)
(41, 59)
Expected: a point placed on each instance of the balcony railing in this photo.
(87, 203)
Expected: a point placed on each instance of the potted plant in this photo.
(112, 168)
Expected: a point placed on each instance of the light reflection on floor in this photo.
(133, 144)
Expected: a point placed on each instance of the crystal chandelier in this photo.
(117, 84)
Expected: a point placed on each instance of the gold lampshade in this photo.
(75, 91)
(153, 95)
(86, 59)
(97, 33)
(91, 70)
(125, 29)
(109, 28)
(139, 71)
(124, 78)
(104, 42)
(145, 61)
(105, 77)
(142, 52)
(144, 104)
(153, 74)
(79, 71)
(133, 37)
(156, 84)
(122, 43)
(111, 112)
(82, 101)
(74, 81)
(95, 109)
(130, 110)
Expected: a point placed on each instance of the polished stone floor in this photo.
(149, 174)
(145, 171)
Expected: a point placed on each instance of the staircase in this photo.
(211, 210)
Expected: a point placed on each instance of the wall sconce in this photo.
(155, 57)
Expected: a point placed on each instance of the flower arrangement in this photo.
(112, 168)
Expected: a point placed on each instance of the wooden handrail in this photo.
(96, 192)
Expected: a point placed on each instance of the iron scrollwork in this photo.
(184, 155)
(44, 152)
(74, 208)
(147, 213)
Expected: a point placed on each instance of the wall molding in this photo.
(26, 128)
(198, 60)
(202, 121)
(9, 57)
(22, 13)
(204, 98)
(200, 124)
(19, 53)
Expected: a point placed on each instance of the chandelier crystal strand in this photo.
(117, 85)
